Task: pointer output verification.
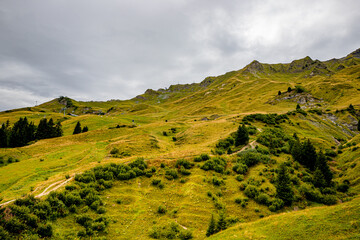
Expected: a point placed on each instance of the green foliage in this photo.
(263, 199)
(273, 138)
(171, 174)
(276, 204)
(77, 128)
(217, 164)
(212, 227)
(240, 168)
(343, 187)
(310, 193)
(283, 185)
(251, 191)
(299, 89)
(161, 209)
(45, 230)
(170, 231)
(217, 182)
(183, 163)
(221, 223)
(304, 153)
(322, 174)
(85, 129)
(271, 118)
(242, 136)
(47, 129)
(202, 157)
(225, 144)
(252, 157)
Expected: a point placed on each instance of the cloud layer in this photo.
(101, 50)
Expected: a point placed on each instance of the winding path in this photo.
(49, 189)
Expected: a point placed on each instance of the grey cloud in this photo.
(100, 50)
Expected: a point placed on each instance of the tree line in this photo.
(23, 132)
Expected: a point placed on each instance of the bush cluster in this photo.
(218, 164)
(271, 118)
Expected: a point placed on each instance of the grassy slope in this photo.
(335, 222)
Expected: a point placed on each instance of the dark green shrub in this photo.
(239, 178)
(45, 230)
(155, 182)
(276, 204)
(183, 171)
(161, 209)
(14, 225)
(240, 168)
(310, 193)
(251, 191)
(329, 199)
(299, 89)
(185, 234)
(217, 164)
(217, 182)
(182, 162)
(171, 174)
(263, 198)
(343, 187)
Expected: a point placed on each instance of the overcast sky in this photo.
(116, 49)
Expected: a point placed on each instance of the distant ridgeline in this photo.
(23, 132)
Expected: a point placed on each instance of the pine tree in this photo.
(289, 89)
(3, 136)
(296, 151)
(298, 107)
(21, 133)
(221, 224)
(323, 167)
(358, 126)
(41, 132)
(279, 93)
(212, 227)
(283, 185)
(85, 129)
(308, 155)
(319, 179)
(50, 129)
(242, 136)
(58, 130)
(77, 128)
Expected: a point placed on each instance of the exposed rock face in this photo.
(301, 64)
(305, 99)
(254, 67)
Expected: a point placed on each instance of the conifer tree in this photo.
(3, 136)
(323, 167)
(77, 128)
(298, 107)
(289, 89)
(85, 129)
(242, 136)
(221, 224)
(308, 155)
(42, 129)
(319, 179)
(296, 151)
(283, 185)
(358, 126)
(58, 130)
(212, 227)
(279, 93)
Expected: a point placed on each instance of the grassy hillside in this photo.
(335, 222)
(185, 121)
